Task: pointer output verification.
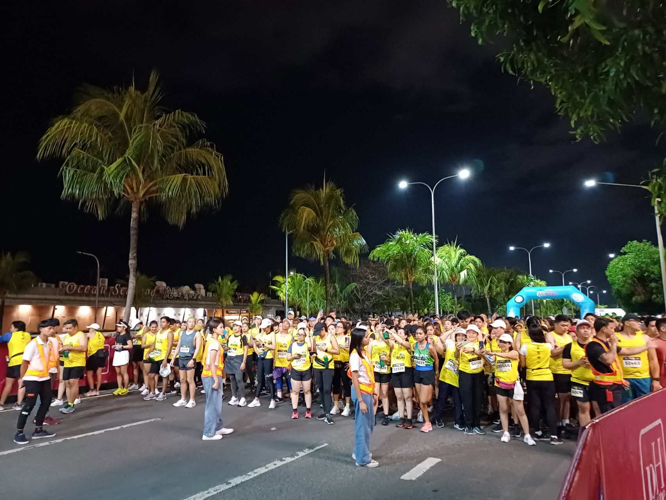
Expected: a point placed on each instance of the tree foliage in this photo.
(255, 307)
(144, 286)
(456, 267)
(635, 277)
(223, 289)
(306, 293)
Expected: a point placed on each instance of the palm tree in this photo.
(14, 278)
(455, 266)
(323, 226)
(224, 289)
(255, 306)
(142, 296)
(486, 283)
(122, 150)
(408, 258)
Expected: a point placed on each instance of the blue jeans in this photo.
(637, 387)
(363, 424)
(213, 412)
(444, 391)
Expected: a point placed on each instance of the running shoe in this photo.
(409, 424)
(540, 436)
(335, 410)
(77, 401)
(346, 412)
(58, 402)
(67, 409)
(233, 401)
(385, 420)
(176, 385)
(19, 438)
(145, 392)
(42, 434)
(506, 437)
(469, 431)
(328, 420)
(419, 418)
(498, 428)
(150, 397)
(89, 394)
(458, 427)
(203, 391)
(224, 431)
(242, 402)
(124, 392)
(427, 427)
(322, 416)
(255, 403)
(180, 403)
(555, 440)
(161, 397)
(294, 414)
(528, 440)
(214, 437)
(439, 423)
(117, 391)
(308, 413)
(516, 432)
(191, 403)
(478, 430)
(143, 387)
(373, 464)
(401, 423)
(271, 406)
(50, 421)
(2, 407)
(354, 455)
(17, 407)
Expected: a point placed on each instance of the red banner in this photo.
(622, 455)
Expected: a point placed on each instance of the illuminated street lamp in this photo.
(574, 270)
(529, 258)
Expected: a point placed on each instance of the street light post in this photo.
(463, 174)
(529, 260)
(286, 273)
(660, 240)
(563, 273)
(97, 284)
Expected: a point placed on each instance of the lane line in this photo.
(85, 398)
(256, 472)
(420, 469)
(94, 433)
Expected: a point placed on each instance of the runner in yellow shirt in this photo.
(641, 370)
(74, 348)
(560, 338)
(301, 374)
(402, 376)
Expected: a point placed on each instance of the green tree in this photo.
(487, 284)
(14, 277)
(456, 267)
(121, 149)
(323, 227)
(256, 306)
(408, 258)
(342, 288)
(224, 289)
(635, 277)
(144, 287)
(305, 293)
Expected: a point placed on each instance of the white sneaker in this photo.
(145, 392)
(395, 416)
(161, 397)
(254, 403)
(242, 402)
(335, 410)
(215, 437)
(191, 404)
(372, 465)
(176, 385)
(224, 432)
(150, 397)
(203, 391)
(143, 387)
(77, 401)
(419, 419)
(354, 455)
(272, 405)
(506, 437)
(179, 403)
(133, 387)
(346, 412)
(233, 402)
(279, 394)
(528, 439)
(58, 402)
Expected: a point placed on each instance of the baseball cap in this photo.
(302, 325)
(238, 323)
(122, 323)
(498, 323)
(630, 316)
(137, 323)
(291, 311)
(473, 327)
(265, 323)
(505, 337)
(303, 318)
(318, 328)
(583, 322)
(94, 326)
(312, 318)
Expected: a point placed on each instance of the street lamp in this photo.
(286, 273)
(529, 259)
(611, 255)
(97, 284)
(462, 174)
(598, 293)
(588, 288)
(660, 241)
(580, 284)
(574, 270)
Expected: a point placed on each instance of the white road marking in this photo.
(420, 469)
(56, 441)
(256, 472)
(84, 398)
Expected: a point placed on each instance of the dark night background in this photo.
(366, 92)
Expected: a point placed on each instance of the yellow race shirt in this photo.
(74, 358)
(537, 361)
(556, 363)
(95, 344)
(282, 342)
(148, 339)
(401, 358)
(635, 366)
(449, 372)
(235, 343)
(379, 348)
(303, 363)
(322, 345)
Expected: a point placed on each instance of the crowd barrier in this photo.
(622, 454)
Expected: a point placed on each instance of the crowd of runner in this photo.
(413, 368)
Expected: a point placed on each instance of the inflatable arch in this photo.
(528, 293)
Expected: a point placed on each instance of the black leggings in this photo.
(32, 390)
(198, 370)
(250, 362)
(265, 376)
(341, 380)
(541, 393)
(471, 393)
(324, 380)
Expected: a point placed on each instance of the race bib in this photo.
(381, 369)
(154, 354)
(282, 354)
(504, 366)
(452, 366)
(631, 362)
(475, 364)
(184, 350)
(398, 368)
(420, 362)
(576, 392)
(298, 362)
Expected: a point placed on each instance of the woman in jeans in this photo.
(363, 390)
(535, 356)
(264, 348)
(470, 356)
(326, 346)
(213, 361)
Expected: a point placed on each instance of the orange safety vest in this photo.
(365, 389)
(44, 372)
(220, 364)
(615, 377)
(54, 354)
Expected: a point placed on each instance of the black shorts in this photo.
(72, 373)
(155, 367)
(94, 362)
(298, 376)
(137, 354)
(562, 382)
(507, 393)
(424, 377)
(580, 392)
(382, 378)
(403, 380)
(182, 364)
(14, 372)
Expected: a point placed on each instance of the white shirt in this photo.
(357, 366)
(31, 354)
(213, 345)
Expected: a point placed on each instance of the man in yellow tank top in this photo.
(16, 339)
(642, 370)
(560, 338)
(74, 347)
(574, 359)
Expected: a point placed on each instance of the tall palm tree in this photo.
(456, 267)
(121, 150)
(408, 258)
(224, 289)
(14, 277)
(323, 227)
(255, 306)
(142, 297)
(487, 283)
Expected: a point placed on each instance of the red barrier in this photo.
(622, 455)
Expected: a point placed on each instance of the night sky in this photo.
(367, 93)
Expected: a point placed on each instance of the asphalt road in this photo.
(114, 446)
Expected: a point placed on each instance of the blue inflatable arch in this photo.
(528, 293)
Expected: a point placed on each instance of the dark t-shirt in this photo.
(594, 351)
(123, 338)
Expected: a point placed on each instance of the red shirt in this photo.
(661, 357)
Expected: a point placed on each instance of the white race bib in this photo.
(576, 392)
(184, 350)
(381, 369)
(154, 354)
(452, 366)
(298, 362)
(282, 354)
(631, 362)
(504, 366)
(398, 367)
(420, 362)
(475, 364)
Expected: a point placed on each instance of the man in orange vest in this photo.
(37, 382)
